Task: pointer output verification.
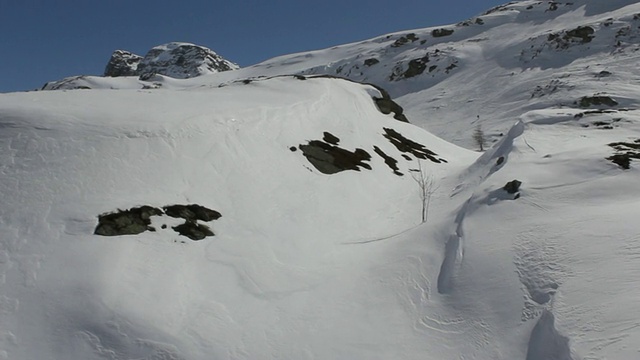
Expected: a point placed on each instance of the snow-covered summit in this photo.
(177, 60)
(182, 61)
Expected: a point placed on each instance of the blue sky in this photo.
(44, 40)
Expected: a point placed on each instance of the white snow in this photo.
(312, 266)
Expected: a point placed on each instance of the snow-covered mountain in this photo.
(176, 60)
(276, 211)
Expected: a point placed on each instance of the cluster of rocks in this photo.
(329, 158)
(625, 152)
(138, 220)
(433, 62)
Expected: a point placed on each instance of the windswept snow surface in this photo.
(285, 275)
(312, 266)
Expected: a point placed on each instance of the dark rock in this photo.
(500, 160)
(409, 146)
(371, 62)
(441, 32)
(598, 100)
(513, 186)
(126, 222)
(580, 35)
(293, 148)
(603, 73)
(622, 160)
(584, 33)
(193, 230)
(192, 212)
(388, 106)
(330, 138)
(391, 162)
(330, 159)
(122, 63)
(411, 37)
(299, 77)
(416, 67)
(450, 67)
(625, 152)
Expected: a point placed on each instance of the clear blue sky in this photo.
(45, 40)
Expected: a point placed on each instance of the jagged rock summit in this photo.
(177, 60)
(122, 63)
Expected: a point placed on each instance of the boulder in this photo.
(513, 186)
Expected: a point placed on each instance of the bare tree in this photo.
(426, 185)
(479, 138)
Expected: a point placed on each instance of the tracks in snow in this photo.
(535, 269)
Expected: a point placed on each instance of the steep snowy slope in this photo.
(282, 275)
(312, 262)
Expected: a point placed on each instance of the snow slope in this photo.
(306, 265)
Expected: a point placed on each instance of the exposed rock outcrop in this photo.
(328, 158)
(411, 147)
(192, 212)
(176, 60)
(126, 222)
(122, 63)
(625, 152)
(138, 220)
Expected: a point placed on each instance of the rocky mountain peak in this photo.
(122, 63)
(177, 60)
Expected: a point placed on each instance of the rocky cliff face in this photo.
(177, 60)
(122, 63)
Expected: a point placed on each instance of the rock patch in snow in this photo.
(329, 158)
(441, 32)
(192, 212)
(597, 100)
(391, 162)
(409, 146)
(126, 222)
(411, 37)
(512, 187)
(625, 151)
(193, 230)
(388, 106)
(138, 220)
